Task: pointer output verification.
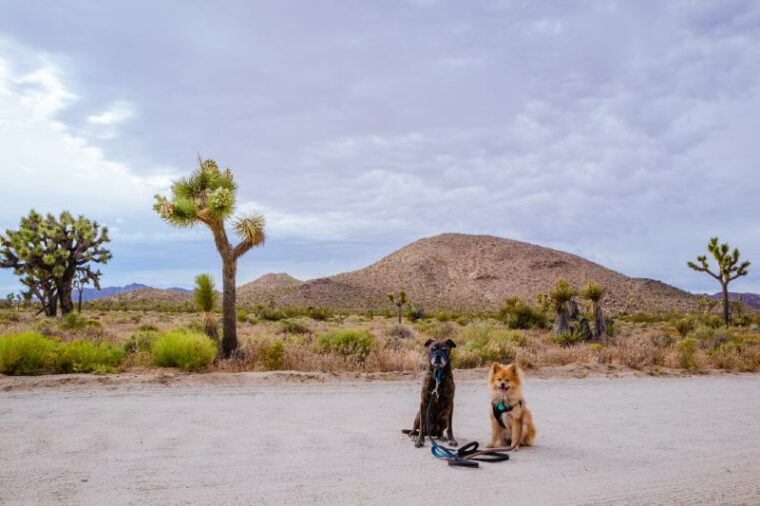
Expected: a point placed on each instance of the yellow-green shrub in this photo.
(86, 356)
(346, 342)
(190, 351)
(25, 353)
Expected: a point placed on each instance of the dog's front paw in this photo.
(453, 442)
(419, 442)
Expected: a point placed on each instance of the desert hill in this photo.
(467, 272)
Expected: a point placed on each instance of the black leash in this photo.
(468, 455)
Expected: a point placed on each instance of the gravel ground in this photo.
(686, 440)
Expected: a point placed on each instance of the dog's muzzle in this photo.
(439, 358)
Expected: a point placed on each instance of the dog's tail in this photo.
(530, 434)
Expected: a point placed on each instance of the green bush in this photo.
(190, 351)
(147, 327)
(688, 349)
(272, 315)
(319, 313)
(25, 353)
(444, 316)
(272, 354)
(484, 343)
(684, 325)
(242, 315)
(86, 356)
(567, 338)
(293, 327)
(141, 341)
(74, 321)
(517, 314)
(346, 342)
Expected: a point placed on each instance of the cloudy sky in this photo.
(626, 132)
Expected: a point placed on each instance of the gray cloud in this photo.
(622, 132)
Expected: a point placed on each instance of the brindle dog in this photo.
(441, 406)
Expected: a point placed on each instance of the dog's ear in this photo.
(450, 343)
(495, 367)
(429, 342)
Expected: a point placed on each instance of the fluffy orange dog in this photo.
(511, 420)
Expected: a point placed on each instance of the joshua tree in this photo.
(208, 197)
(10, 298)
(399, 300)
(562, 294)
(48, 252)
(729, 268)
(594, 293)
(205, 298)
(707, 304)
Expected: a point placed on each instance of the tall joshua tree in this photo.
(729, 268)
(207, 197)
(398, 300)
(594, 293)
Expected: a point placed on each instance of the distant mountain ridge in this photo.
(110, 291)
(749, 299)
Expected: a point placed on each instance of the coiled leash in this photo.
(468, 455)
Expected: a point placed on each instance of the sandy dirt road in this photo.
(601, 441)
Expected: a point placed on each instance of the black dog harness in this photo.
(500, 408)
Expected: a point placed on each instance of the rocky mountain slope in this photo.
(464, 272)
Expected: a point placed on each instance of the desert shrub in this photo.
(25, 353)
(73, 321)
(437, 330)
(293, 327)
(147, 327)
(346, 342)
(709, 320)
(399, 331)
(463, 320)
(687, 349)
(517, 314)
(702, 333)
(190, 351)
(242, 315)
(484, 343)
(141, 341)
(444, 316)
(319, 313)
(272, 314)
(567, 338)
(272, 354)
(86, 356)
(7, 317)
(609, 324)
(684, 325)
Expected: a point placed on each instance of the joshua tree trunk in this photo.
(64, 291)
(229, 319)
(586, 334)
(50, 305)
(79, 303)
(600, 326)
(726, 308)
(399, 315)
(561, 324)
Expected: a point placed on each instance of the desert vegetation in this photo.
(100, 341)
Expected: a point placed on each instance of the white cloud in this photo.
(117, 112)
